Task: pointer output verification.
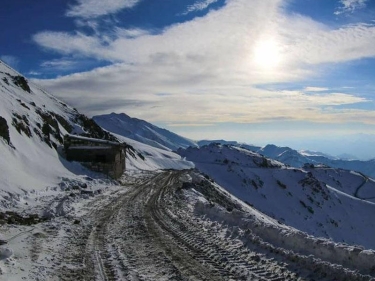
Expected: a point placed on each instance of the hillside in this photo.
(142, 131)
(154, 158)
(286, 155)
(323, 202)
(32, 126)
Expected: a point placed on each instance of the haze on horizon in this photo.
(295, 73)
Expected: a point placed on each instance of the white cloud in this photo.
(314, 45)
(96, 8)
(350, 6)
(66, 43)
(59, 64)
(210, 67)
(131, 33)
(315, 89)
(192, 47)
(34, 73)
(199, 6)
(297, 43)
(123, 89)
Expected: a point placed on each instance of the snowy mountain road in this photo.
(151, 230)
(147, 234)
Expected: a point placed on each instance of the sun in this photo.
(266, 54)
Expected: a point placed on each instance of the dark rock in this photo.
(4, 129)
(21, 82)
(89, 192)
(255, 258)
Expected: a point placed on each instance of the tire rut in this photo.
(149, 233)
(227, 259)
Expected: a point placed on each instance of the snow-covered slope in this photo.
(142, 131)
(33, 123)
(153, 158)
(32, 126)
(324, 202)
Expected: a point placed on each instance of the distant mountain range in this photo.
(142, 131)
(297, 159)
(152, 135)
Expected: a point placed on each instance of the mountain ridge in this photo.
(298, 159)
(142, 131)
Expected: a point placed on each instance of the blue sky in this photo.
(255, 71)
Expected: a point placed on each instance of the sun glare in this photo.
(266, 54)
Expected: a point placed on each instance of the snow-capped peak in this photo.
(142, 131)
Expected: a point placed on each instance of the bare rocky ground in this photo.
(152, 229)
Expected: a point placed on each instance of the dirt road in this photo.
(151, 233)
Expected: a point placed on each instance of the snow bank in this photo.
(298, 246)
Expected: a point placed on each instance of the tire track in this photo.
(206, 247)
(149, 233)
